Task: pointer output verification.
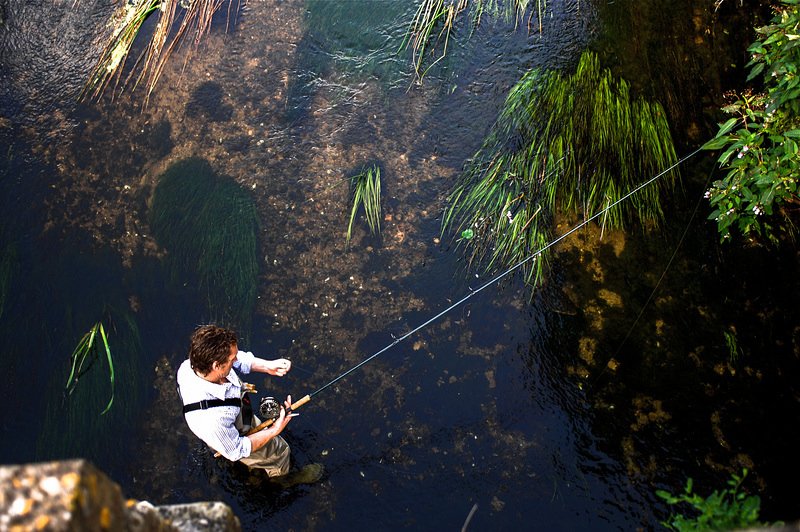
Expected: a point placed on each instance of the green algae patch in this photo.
(207, 224)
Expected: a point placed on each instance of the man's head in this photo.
(211, 344)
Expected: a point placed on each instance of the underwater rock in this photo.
(74, 495)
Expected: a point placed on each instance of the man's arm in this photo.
(278, 367)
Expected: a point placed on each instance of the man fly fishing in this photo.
(216, 404)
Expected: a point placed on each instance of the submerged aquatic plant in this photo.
(8, 267)
(732, 342)
(126, 23)
(346, 47)
(577, 142)
(365, 189)
(86, 353)
(79, 417)
(9, 261)
(207, 223)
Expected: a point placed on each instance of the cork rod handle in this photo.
(269, 422)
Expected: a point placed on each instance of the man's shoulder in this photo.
(184, 371)
(190, 385)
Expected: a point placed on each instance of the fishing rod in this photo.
(485, 285)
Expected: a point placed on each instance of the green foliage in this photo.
(207, 223)
(86, 353)
(365, 189)
(761, 141)
(726, 510)
(733, 344)
(79, 419)
(576, 142)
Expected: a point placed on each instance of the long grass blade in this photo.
(366, 191)
(127, 22)
(110, 367)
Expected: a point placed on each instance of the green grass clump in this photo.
(207, 223)
(84, 356)
(729, 509)
(365, 189)
(92, 397)
(562, 143)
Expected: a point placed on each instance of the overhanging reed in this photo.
(194, 18)
(562, 143)
(438, 18)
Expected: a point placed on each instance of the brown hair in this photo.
(211, 344)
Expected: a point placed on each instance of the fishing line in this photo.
(487, 284)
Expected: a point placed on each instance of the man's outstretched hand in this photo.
(278, 367)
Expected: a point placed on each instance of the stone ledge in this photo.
(74, 495)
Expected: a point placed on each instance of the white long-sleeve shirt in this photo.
(215, 426)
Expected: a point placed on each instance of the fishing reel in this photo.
(269, 408)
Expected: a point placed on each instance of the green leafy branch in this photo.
(726, 510)
(84, 356)
(761, 141)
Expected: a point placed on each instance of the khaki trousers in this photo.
(272, 458)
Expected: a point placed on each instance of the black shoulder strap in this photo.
(209, 403)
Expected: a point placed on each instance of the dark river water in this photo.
(563, 408)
